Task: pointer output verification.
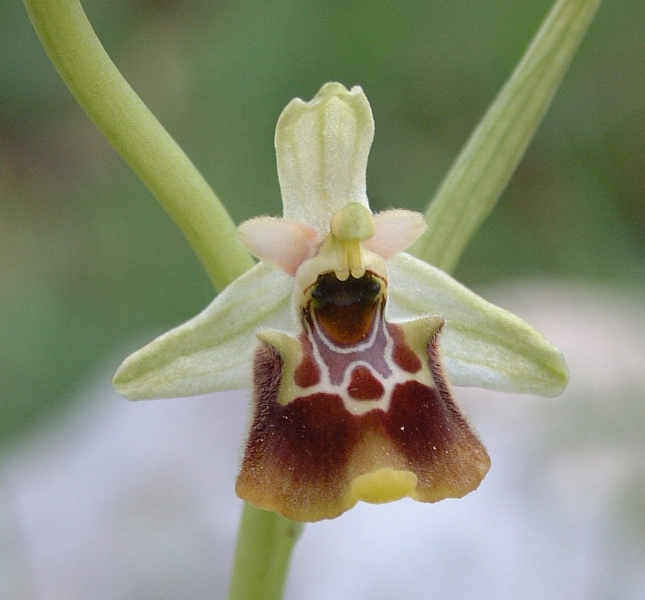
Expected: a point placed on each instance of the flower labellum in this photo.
(354, 408)
(351, 340)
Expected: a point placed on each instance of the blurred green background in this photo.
(91, 267)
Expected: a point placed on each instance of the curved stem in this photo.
(135, 133)
(478, 177)
(464, 200)
(264, 544)
(266, 539)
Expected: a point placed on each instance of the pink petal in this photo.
(280, 241)
(395, 231)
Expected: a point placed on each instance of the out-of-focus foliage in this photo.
(90, 265)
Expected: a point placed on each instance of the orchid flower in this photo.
(350, 344)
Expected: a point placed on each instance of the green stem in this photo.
(479, 175)
(264, 544)
(72, 46)
(266, 539)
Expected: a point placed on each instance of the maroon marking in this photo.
(296, 455)
(403, 355)
(308, 372)
(419, 422)
(438, 443)
(308, 441)
(364, 386)
(425, 420)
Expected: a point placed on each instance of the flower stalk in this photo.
(264, 544)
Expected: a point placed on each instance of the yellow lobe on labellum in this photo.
(384, 485)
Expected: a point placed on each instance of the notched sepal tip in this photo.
(322, 148)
